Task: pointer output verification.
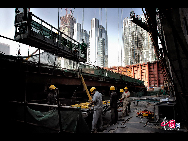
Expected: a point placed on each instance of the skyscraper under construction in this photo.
(137, 43)
(70, 27)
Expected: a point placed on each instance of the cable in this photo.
(106, 19)
(82, 30)
(118, 37)
(101, 16)
(122, 27)
(8, 38)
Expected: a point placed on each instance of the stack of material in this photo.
(82, 105)
(86, 105)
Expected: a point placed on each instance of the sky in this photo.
(50, 15)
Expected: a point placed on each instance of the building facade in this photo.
(67, 27)
(73, 30)
(138, 47)
(98, 47)
(96, 40)
(4, 49)
(81, 35)
(67, 24)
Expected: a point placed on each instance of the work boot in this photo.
(123, 114)
(100, 130)
(94, 131)
(126, 111)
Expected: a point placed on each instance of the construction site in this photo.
(156, 79)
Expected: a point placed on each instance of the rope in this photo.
(8, 38)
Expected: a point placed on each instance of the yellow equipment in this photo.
(82, 105)
(145, 114)
(85, 87)
(52, 87)
(125, 88)
(121, 91)
(112, 88)
(104, 102)
(86, 105)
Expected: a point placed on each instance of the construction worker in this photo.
(84, 48)
(113, 105)
(52, 96)
(97, 115)
(125, 99)
(121, 92)
(128, 99)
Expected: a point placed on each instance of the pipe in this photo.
(58, 103)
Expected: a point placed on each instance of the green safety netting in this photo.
(71, 120)
(46, 119)
(46, 122)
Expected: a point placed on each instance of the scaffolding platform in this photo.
(33, 31)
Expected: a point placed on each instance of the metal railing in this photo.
(50, 32)
(39, 29)
(86, 69)
(97, 71)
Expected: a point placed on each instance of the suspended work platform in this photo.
(33, 31)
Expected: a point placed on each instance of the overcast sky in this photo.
(50, 15)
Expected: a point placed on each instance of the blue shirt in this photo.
(97, 98)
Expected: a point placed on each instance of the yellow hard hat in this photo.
(52, 87)
(121, 90)
(112, 88)
(125, 88)
(92, 89)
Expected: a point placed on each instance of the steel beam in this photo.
(133, 71)
(147, 70)
(140, 71)
(156, 66)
